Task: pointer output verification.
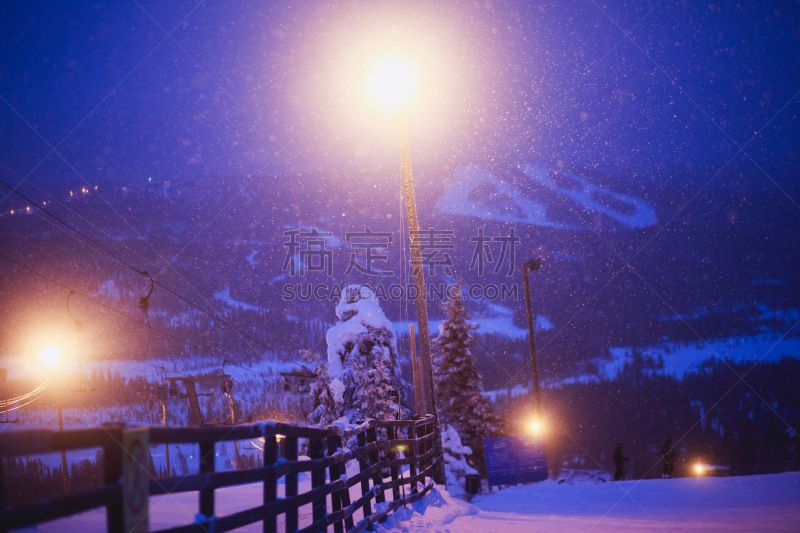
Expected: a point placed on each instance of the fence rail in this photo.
(382, 449)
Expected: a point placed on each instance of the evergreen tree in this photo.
(457, 382)
(361, 378)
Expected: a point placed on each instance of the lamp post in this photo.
(526, 267)
(417, 271)
(392, 83)
(51, 357)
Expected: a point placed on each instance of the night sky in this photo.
(117, 91)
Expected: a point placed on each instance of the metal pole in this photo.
(163, 411)
(233, 423)
(64, 473)
(416, 268)
(532, 265)
(166, 445)
(418, 393)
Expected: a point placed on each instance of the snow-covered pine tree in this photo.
(457, 382)
(361, 378)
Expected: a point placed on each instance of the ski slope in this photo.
(747, 503)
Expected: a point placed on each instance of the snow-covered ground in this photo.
(751, 503)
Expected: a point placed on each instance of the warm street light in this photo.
(392, 84)
(535, 426)
(50, 356)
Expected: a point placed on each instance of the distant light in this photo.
(536, 427)
(12, 211)
(699, 469)
(50, 356)
(392, 82)
(70, 193)
(95, 187)
(28, 208)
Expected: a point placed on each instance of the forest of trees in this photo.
(712, 417)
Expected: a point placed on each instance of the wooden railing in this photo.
(383, 450)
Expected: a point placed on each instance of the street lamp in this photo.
(392, 83)
(526, 267)
(50, 357)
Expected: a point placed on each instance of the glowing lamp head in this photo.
(536, 427)
(699, 469)
(392, 82)
(50, 356)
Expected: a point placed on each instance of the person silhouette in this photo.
(619, 462)
(667, 455)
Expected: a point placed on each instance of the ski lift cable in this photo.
(132, 267)
(122, 313)
(73, 236)
(38, 390)
(9, 409)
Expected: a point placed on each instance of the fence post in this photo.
(375, 459)
(112, 472)
(363, 464)
(290, 451)
(438, 456)
(428, 444)
(207, 466)
(335, 472)
(391, 433)
(3, 528)
(412, 436)
(316, 450)
(270, 522)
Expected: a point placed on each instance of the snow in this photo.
(748, 503)
(225, 296)
(337, 389)
(21, 367)
(454, 453)
(369, 314)
(682, 358)
(496, 320)
(515, 392)
(509, 202)
(251, 259)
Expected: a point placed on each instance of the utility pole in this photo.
(163, 402)
(419, 394)
(228, 389)
(64, 473)
(416, 268)
(526, 267)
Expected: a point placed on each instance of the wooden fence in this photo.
(391, 455)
